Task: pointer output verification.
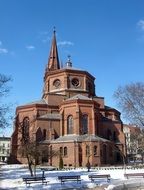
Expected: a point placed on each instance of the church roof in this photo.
(79, 138)
(79, 96)
(72, 68)
(51, 116)
(110, 108)
(42, 101)
(53, 61)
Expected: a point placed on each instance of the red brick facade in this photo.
(71, 119)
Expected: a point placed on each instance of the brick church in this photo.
(71, 119)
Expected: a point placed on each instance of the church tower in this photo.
(66, 81)
(53, 61)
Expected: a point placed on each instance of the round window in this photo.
(75, 82)
(56, 83)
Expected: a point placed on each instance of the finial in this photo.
(69, 63)
(69, 56)
(54, 29)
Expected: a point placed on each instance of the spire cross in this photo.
(54, 29)
(53, 62)
(69, 57)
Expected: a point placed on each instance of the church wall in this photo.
(41, 126)
(65, 86)
(95, 157)
(88, 110)
(70, 160)
(52, 128)
(71, 92)
(81, 81)
(52, 79)
(73, 157)
(111, 128)
(14, 145)
(71, 110)
(23, 113)
(56, 129)
(100, 101)
(21, 159)
(55, 99)
(77, 110)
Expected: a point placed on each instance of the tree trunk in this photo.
(30, 169)
(35, 168)
(88, 165)
(30, 165)
(142, 158)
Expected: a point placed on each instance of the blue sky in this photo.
(104, 37)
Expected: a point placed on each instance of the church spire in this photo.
(53, 61)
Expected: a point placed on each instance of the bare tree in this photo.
(122, 156)
(140, 145)
(30, 148)
(130, 99)
(4, 108)
(88, 154)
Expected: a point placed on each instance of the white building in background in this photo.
(127, 132)
(4, 148)
(131, 143)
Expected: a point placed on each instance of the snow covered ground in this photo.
(11, 179)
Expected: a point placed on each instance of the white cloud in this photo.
(65, 43)
(140, 24)
(30, 47)
(3, 51)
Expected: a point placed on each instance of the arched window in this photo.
(104, 154)
(25, 129)
(109, 134)
(87, 150)
(84, 124)
(110, 151)
(65, 151)
(114, 136)
(95, 150)
(44, 134)
(70, 124)
(61, 151)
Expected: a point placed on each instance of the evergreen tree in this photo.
(61, 163)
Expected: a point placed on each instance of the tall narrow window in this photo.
(25, 129)
(84, 124)
(95, 150)
(70, 124)
(65, 151)
(87, 150)
(104, 154)
(109, 134)
(44, 134)
(61, 151)
(114, 136)
(110, 151)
